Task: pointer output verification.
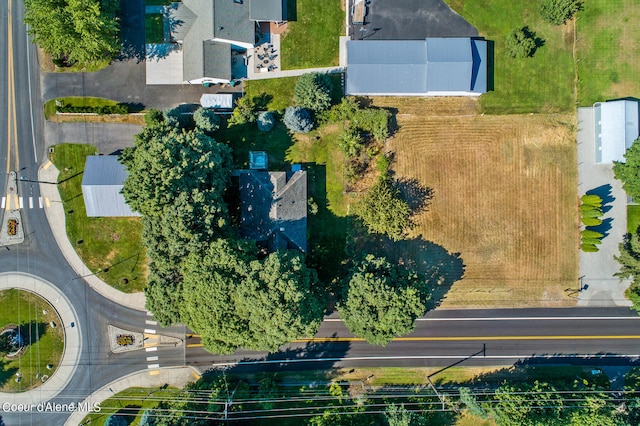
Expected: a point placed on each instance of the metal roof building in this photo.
(102, 182)
(431, 67)
(616, 127)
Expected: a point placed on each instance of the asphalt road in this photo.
(605, 336)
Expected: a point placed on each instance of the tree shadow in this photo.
(604, 192)
(6, 374)
(262, 101)
(538, 41)
(133, 107)
(32, 331)
(415, 194)
(439, 268)
(604, 227)
(292, 10)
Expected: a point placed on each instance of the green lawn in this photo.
(130, 404)
(276, 94)
(542, 83)
(608, 52)
(154, 28)
(633, 218)
(110, 247)
(45, 344)
(313, 38)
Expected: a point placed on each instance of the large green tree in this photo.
(559, 11)
(78, 30)
(234, 300)
(628, 172)
(177, 181)
(383, 211)
(313, 91)
(382, 300)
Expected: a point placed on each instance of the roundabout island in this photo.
(39, 339)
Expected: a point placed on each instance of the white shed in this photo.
(217, 100)
(616, 127)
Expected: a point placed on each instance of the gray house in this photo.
(616, 127)
(215, 33)
(102, 182)
(432, 67)
(274, 208)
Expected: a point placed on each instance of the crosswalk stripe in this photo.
(40, 202)
(30, 202)
(4, 202)
(153, 366)
(149, 322)
(149, 331)
(152, 358)
(21, 202)
(152, 349)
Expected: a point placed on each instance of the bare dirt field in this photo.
(504, 197)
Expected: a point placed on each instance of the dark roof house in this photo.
(268, 10)
(102, 182)
(432, 67)
(274, 208)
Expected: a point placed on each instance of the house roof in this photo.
(102, 182)
(268, 10)
(616, 127)
(416, 67)
(197, 22)
(274, 208)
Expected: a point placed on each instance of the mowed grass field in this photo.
(608, 50)
(504, 198)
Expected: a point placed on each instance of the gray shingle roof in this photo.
(414, 67)
(102, 182)
(231, 21)
(217, 60)
(268, 10)
(274, 208)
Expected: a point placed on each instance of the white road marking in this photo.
(40, 202)
(4, 202)
(152, 349)
(152, 358)
(513, 319)
(149, 331)
(149, 314)
(30, 202)
(152, 366)
(21, 202)
(149, 322)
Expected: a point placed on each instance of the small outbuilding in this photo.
(102, 183)
(616, 127)
(217, 100)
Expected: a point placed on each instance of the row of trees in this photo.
(591, 213)
(75, 30)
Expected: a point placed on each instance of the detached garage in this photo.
(102, 182)
(616, 127)
(432, 67)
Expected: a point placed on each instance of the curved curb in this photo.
(72, 337)
(47, 175)
(175, 376)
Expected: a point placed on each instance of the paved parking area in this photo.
(410, 20)
(598, 269)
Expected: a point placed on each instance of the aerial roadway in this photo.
(444, 337)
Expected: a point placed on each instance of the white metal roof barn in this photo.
(616, 127)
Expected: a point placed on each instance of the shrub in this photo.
(206, 120)
(244, 112)
(153, 117)
(592, 212)
(373, 120)
(591, 200)
(383, 164)
(100, 110)
(589, 248)
(298, 119)
(313, 91)
(383, 211)
(266, 121)
(588, 233)
(559, 11)
(591, 221)
(521, 43)
(350, 142)
(175, 117)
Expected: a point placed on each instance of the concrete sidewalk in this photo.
(174, 376)
(56, 219)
